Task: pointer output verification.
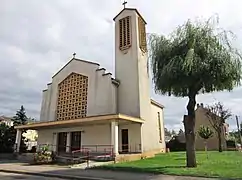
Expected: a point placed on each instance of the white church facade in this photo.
(85, 107)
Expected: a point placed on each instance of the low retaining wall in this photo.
(7, 156)
(135, 157)
(26, 157)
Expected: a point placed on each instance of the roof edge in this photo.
(131, 9)
(156, 104)
(115, 82)
(42, 124)
(90, 62)
(100, 69)
(107, 74)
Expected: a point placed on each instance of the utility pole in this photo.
(237, 121)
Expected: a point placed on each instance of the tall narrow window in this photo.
(159, 124)
(124, 33)
(142, 35)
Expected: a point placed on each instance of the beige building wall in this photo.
(43, 105)
(91, 135)
(126, 69)
(132, 97)
(101, 91)
(212, 143)
(45, 137)
(96, 134)
(134, 134)
(150, 131)
(134, 90)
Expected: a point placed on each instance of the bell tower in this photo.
(131, 64)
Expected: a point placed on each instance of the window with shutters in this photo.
(125, 33)
(142, 35)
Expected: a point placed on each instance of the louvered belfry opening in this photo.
(142, 35)
(125, 33)
(72, 97)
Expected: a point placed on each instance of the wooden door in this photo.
(125, 140)
(62, 137)
(75, 140)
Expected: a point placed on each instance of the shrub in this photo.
(33, 149)
(176, 145)
(231, 144)
(44, 156)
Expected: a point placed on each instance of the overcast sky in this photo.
(38, 37)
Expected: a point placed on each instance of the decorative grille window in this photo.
(125, 33)
(142, 35)
(72, 97)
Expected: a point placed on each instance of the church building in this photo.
(85, 107)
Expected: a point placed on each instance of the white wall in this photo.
(101, 91)
(45, 137)
(43, 105)
(134, 135)
(96, 135)
(134, 90)
(126, 70)
(92, 135)
(150, 131)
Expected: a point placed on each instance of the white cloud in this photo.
(37, 39)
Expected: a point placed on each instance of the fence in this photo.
(130, 149)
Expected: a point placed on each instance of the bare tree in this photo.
(217, 115)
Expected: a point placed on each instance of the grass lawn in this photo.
(226, 164)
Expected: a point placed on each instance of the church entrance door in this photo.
(62, 137)
(76, 140)
(125, 140)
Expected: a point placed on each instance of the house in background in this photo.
(6, 120)
(202, 119)
(84, 107)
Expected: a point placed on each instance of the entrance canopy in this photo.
(121, 118)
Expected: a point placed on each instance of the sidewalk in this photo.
(80, 174)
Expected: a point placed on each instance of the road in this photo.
(10, 176)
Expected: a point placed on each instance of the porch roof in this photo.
(82, 121)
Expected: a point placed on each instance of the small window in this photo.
(159, 124)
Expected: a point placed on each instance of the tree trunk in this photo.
(219, 142)
(206, 148)
(189, 125)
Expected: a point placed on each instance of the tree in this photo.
(7, 138)
(217, 115)
(205, 133)
(180, 132)
(21, 119)
(31, 120)
(234, 136)
(196, 58)
(241, 128)
(167, 132)
(173, 132)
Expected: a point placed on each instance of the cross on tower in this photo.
(74, 55)
(124, 3)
